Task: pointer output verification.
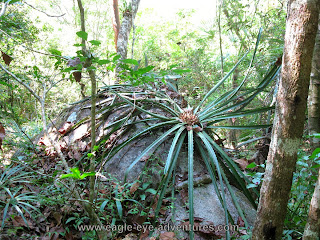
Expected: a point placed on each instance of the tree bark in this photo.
(3, 8)
(125, 28)
(301, 28)
(115, 21)
(314, 95)
(312, 228)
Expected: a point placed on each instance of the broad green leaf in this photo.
(91, 68)
(69, 175)
(151, 190)
(316, 135)
(144, 70)
(251, 185)
(251, 165)
(116, 57)
(316, 166)
(103, 61)
(76, 171)
(82, 35)
(95, 42)
(55, 51)
(104, 204)
(84, 175)
(315, 153)
(130, 61)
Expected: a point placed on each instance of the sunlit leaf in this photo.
(95, 42)
(130, 61)
(88, 174)
(252, 165)
(82, 35)
(103, 61)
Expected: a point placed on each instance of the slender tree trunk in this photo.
(115, 21)
(125, 28)
(314, 94)
(289, 119)
(312, 228)
(89, 208)
(3, 8)
(92, 76)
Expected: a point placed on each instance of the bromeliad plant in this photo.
(194, 126)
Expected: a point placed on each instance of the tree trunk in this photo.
(116, 21)
(289, 119)
(125, 28)
(314, 95)
(312, 228)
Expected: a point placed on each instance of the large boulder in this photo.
(71, 130)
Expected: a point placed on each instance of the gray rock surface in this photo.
(206, 202)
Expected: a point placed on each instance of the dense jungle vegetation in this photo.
(220, 84)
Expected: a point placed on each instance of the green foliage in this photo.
(162, 46)
(303, 183)
(77, 175)
(195, 126)
(82, 35)
(13, 197)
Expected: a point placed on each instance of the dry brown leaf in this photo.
(44, 141)
(65, 128)
(130, 236)
(243, 163)
(167, 236)
(57, 216)
(2, 135)
(240, 222)
(198, 129)
(189, 128)
(163, 210)
(77, 76)
(144, 235)
(69, 235)
(134, 187)
(145, 158)
(184, 195)
(6, 58)
(19, 222)
(77, 155)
